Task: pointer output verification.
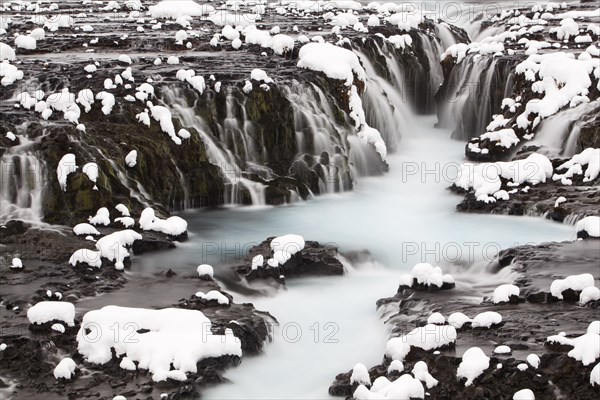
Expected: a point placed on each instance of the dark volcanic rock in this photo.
(524, 328)
(313, 259)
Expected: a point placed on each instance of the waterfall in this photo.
(473, 92)
(557, 136)
(21, 184)
(217, 153)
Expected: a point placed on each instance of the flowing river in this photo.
(326, 325)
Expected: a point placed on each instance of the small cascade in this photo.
(326, 142)
(472, 93)
(21, 184)
(557, 136)
(224, 158)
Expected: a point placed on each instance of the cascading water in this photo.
(473, 92)
(21, 185)
(557, 136)
(217, 154)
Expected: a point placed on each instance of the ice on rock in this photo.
(436, 318)
(48, 311)
(205, 271)
(172, 340)
(474, 363)
(524, 394)
(85, 229)
(503, 293)
(458, 319)
(573, 282)
(65, 369)
(173, 226)
(486, 319)
(360, 375)
(421, 372)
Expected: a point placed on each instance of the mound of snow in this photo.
(85, 229)
(458, 319)
(503, 293)
(427, 275)
(102, 217)
(502, 350)
(16, 263)
(66, 166)
(360, 375)
(573, 282)
(474, 363)
(27, 42)
(590, 293)
(524, 394)
(486, 319)
(65, 369)
(335, 62)
(114, 246)
(213, 295)
(86, 256)
(589, 157)
(6, 52)
(179, 8)
(590, 225)
(428, 337)
(205, 270)
(176, 338)
(131, 158)
(173, 226)
(421, 372)
(47, 311)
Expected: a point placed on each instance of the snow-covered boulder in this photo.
(205, 272)
(65, 369)
(48, 311)
(173, 342)
(506, 294)
(425, 276)
(474, 363)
